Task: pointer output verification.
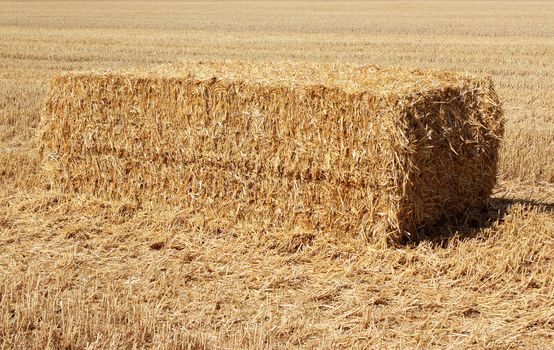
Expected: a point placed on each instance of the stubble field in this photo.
(79, 272)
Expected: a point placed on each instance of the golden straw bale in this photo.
(362, 150)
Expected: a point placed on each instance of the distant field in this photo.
(83, 273)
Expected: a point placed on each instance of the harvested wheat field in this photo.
(259, 114)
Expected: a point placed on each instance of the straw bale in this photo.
(362, 150)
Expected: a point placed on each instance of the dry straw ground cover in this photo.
(360, 150)
(85, 273)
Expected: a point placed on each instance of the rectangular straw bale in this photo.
(379, 152)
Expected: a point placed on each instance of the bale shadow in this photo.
(471, 222)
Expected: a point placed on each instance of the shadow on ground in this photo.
(472, 221)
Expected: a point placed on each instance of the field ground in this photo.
(78, 272)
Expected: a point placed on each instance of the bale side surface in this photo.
(312, 156)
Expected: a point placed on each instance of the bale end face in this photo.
(454, 135)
